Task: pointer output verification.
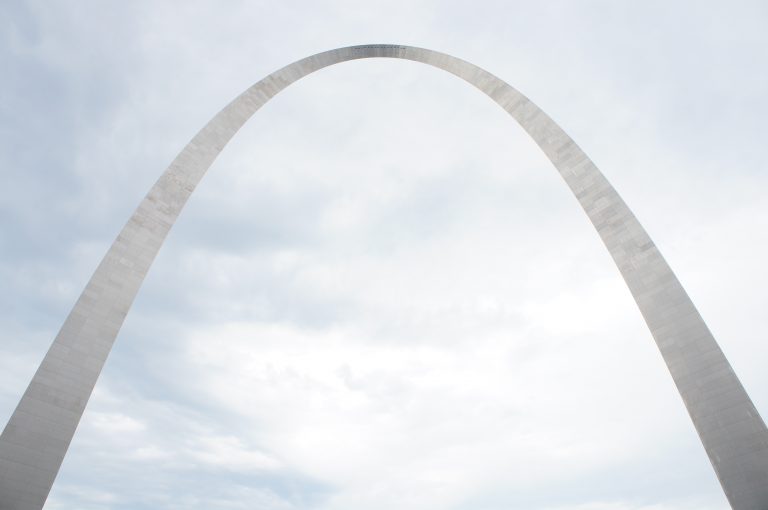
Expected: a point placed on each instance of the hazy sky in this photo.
(382, 295)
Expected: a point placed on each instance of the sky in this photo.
(382, 295)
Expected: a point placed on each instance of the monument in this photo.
(39, 432)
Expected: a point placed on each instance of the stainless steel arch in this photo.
(36, 438)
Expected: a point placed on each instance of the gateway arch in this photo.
(38, 434)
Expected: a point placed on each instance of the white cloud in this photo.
(382, 296)
(229, 452)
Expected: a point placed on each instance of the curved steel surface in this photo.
(39, 432)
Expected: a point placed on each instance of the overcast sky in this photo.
(382, 295)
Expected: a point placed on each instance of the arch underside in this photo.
(39, 432)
